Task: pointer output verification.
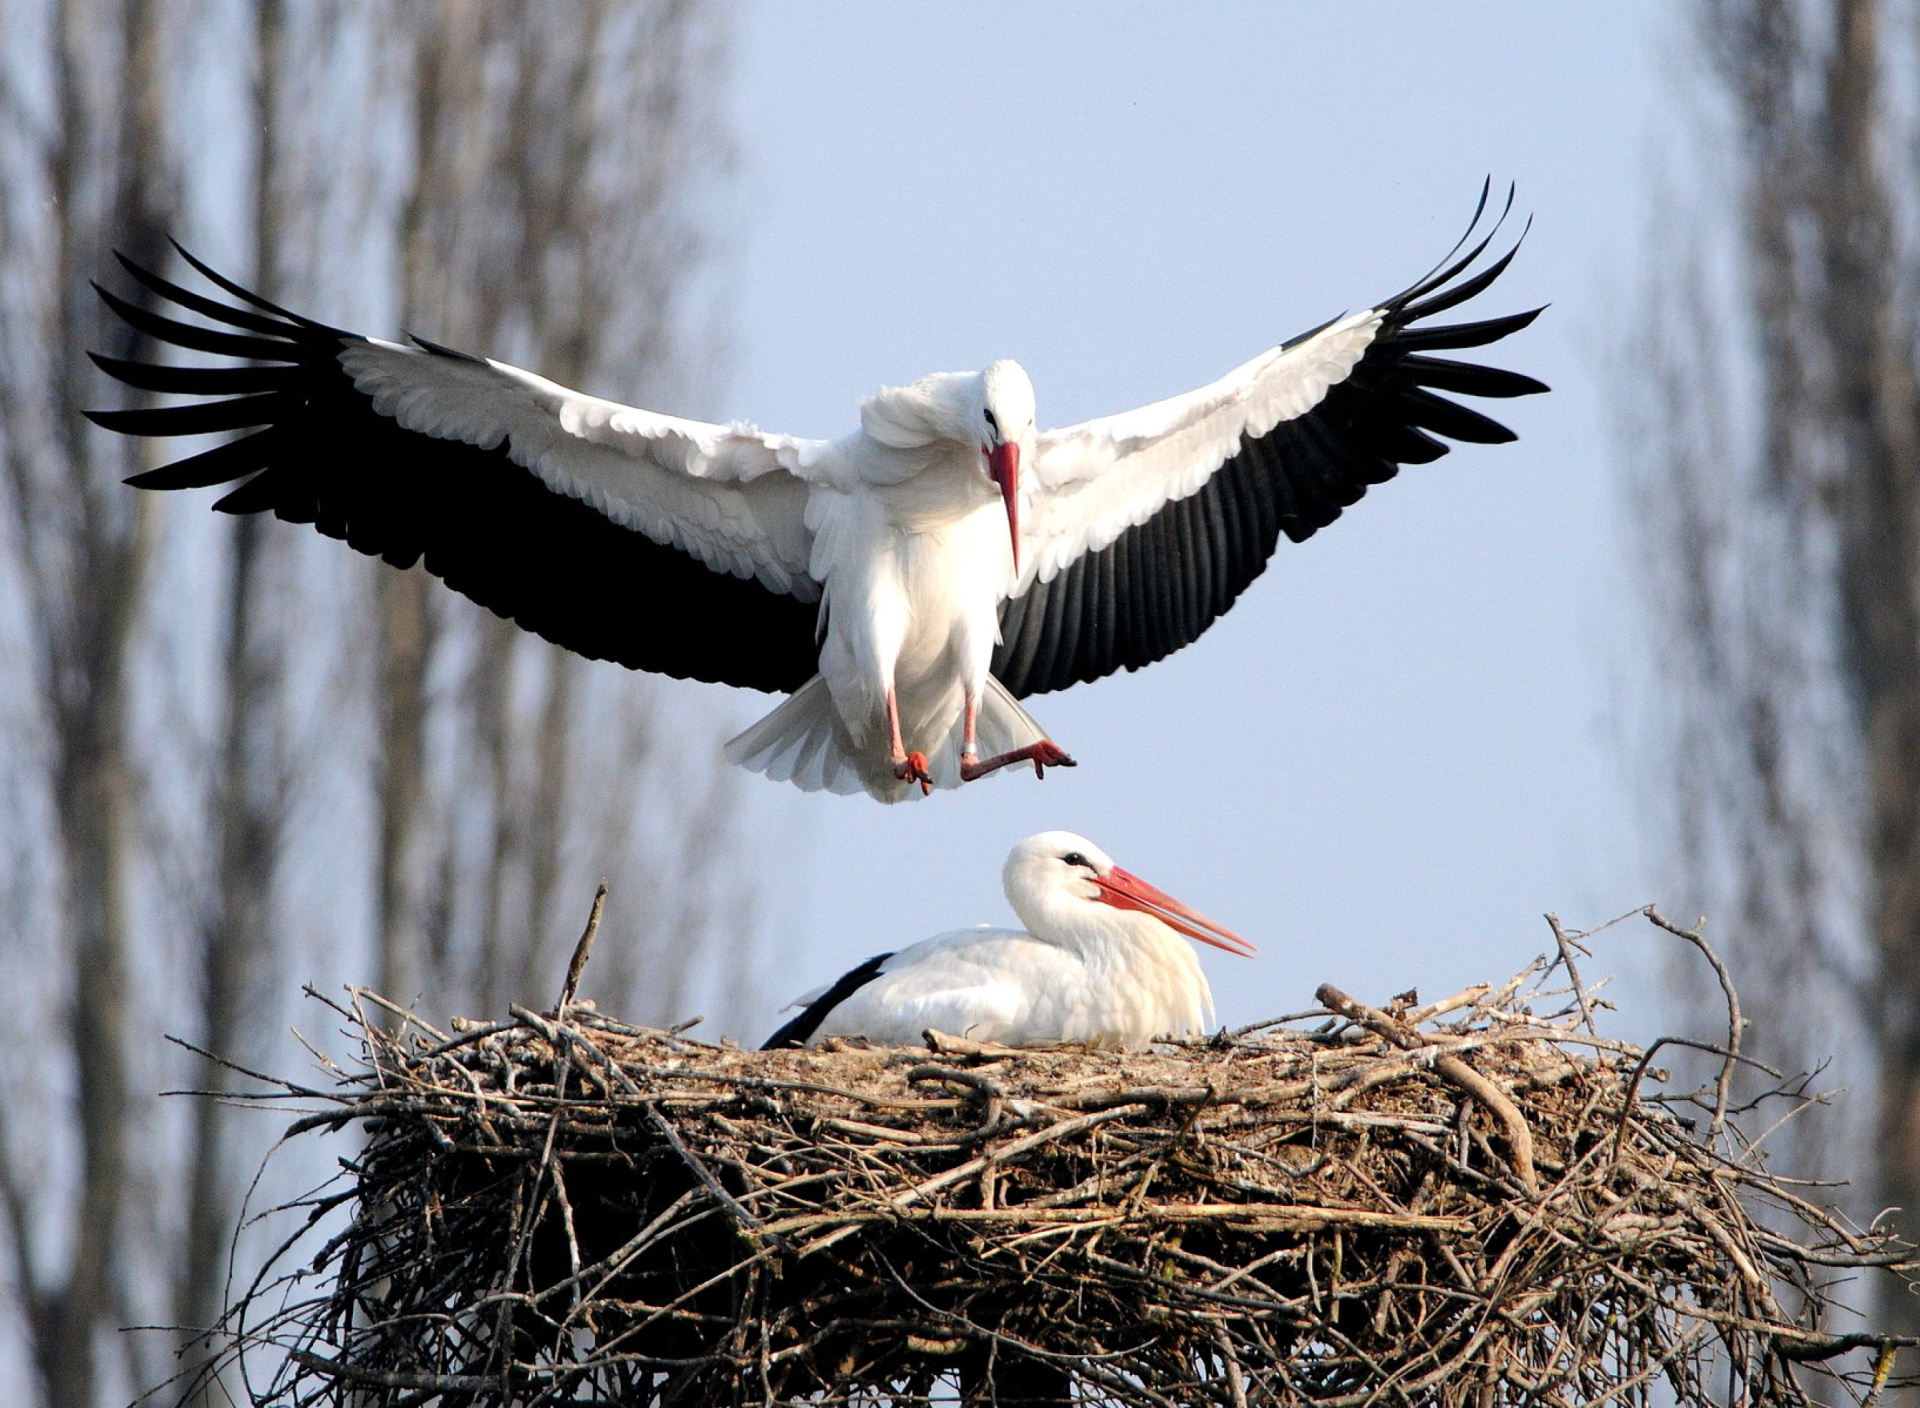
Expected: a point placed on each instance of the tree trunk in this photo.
(1869, 330)
(249, 801)
(1799, 618)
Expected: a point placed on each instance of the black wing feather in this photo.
(213, 308)
(1161, 583)
(800, 1030)
(1477, 334)
(194, 339)
(221, 465)
(202, 417)
(320, 454)
(191, 381)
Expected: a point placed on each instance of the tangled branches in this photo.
(1463, 1203)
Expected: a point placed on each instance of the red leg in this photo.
(969, 754)
(908, 767)
(1043, 755)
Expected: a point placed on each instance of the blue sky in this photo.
(1406, 741)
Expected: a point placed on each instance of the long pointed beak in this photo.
(1003, 463)
(1123, 890)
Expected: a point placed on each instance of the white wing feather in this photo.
(1102, 477)
(981, 982)
(732, 496)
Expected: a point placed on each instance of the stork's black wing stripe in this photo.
(191, 381)
(203, 417)
(221, 465)
(200, 303)
(1013, 623)
(1153, 559)
(1071, 603)
(194, 339)
(1198, 576)
(1267, 490)
(1214, 531)
(800, 1030)
(1468, 379)
(1162, 582)
(1449, 418)
(245, 295)
(1166, 564)
(1479, 334)
(319, 453)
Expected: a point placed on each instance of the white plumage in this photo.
(1102, 960)
(907, 584)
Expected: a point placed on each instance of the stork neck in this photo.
(949, 487)
(1098, 933)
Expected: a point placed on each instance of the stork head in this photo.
(1060, 884)
(1003, 427)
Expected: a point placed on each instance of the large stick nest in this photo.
(1467, 1203)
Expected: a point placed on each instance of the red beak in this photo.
(1126, 891)
(1003, 463)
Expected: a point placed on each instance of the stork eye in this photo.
(992, 424)
(1075, 858)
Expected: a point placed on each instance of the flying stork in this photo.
(906, 584)
(1101, 961)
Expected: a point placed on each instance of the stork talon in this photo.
(913, 768)
(1048, 754)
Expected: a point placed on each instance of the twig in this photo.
(713, 1185)
(1566, 947)
(1466, 997)
(582, 950)
(1736, 1024)
(1519, 1136)
(1646, 1059)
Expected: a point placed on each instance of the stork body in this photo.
(1104, 959)
(907, 584)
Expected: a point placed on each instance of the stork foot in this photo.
(913, 768)
(1043, 755)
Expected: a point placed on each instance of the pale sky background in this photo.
(1408, 739)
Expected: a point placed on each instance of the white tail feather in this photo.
(805, 742)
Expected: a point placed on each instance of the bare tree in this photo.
(555, 151)
(1780, 498)
(98, 174)
(546, 213)
(247, 811)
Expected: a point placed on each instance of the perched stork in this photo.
(907, 583)
(1100, 961)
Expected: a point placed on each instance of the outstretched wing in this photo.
(1149, 524)
(664, 544)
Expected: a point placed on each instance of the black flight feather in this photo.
(1162, 582)
(800, 1030)
(320, 454)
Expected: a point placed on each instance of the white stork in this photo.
(907, 583)
(1100, 961)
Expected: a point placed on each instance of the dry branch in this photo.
(1492, 1210)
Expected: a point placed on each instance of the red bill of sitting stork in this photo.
(906, 584)
(1103, 960)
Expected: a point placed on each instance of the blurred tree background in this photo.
(1776, 448)
(236, 759)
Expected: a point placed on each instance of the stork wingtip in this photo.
(440, 350)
